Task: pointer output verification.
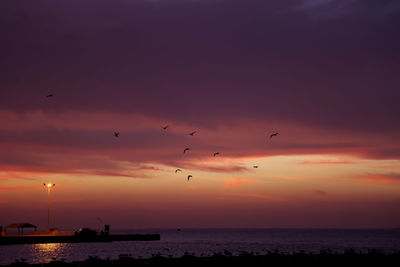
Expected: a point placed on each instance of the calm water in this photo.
(202, 242)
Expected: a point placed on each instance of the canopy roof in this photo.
(21, 225)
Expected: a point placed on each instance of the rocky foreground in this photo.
(373, 258)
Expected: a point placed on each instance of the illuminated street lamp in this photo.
(48, 186)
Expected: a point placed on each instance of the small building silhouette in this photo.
(20, 227)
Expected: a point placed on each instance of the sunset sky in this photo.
(325, 74)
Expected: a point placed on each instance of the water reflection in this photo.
(209, 241)
(48, 252)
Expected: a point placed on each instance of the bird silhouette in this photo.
(216, 153)
(189, 176)
(255, 166)
(178, 170)
(272, 135)
(186, 149)
(49, 95)
(192, 133)
(165, 127)
(116, 134)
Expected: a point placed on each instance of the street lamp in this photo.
(48, 186)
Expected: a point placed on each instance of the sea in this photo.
(206, 242)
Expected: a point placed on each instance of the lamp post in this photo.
(48, 186)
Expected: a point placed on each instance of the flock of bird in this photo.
(116, 134)
(214, 154)
(186, 150)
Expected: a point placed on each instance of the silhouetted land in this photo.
(324, 258)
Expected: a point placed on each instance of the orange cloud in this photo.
(326, 162)
(118, 174)
(67, 200)
(381, 179)
(320, 193)
(18, 188)
(289, 178)
(260, 196)
(191, 187)
(235, 182)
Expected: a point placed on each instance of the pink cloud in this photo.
(151, 168)
(139, 175)
(89, 147)
(10, 175)
(99, 153)
(210, 167)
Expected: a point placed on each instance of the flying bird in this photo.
(216, 153)
(116, 134)
(189, 176)
(192, 133)
(186, 149)
(178, 170)
(165, 127)
(255, 166)
(49, 95)
(272, 135)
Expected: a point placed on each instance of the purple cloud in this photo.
(206, 65)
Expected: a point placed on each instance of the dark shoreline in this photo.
(324, 258)
(47, 239)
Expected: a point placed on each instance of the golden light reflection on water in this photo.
(49, 252)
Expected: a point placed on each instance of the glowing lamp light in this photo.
(49, 186)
